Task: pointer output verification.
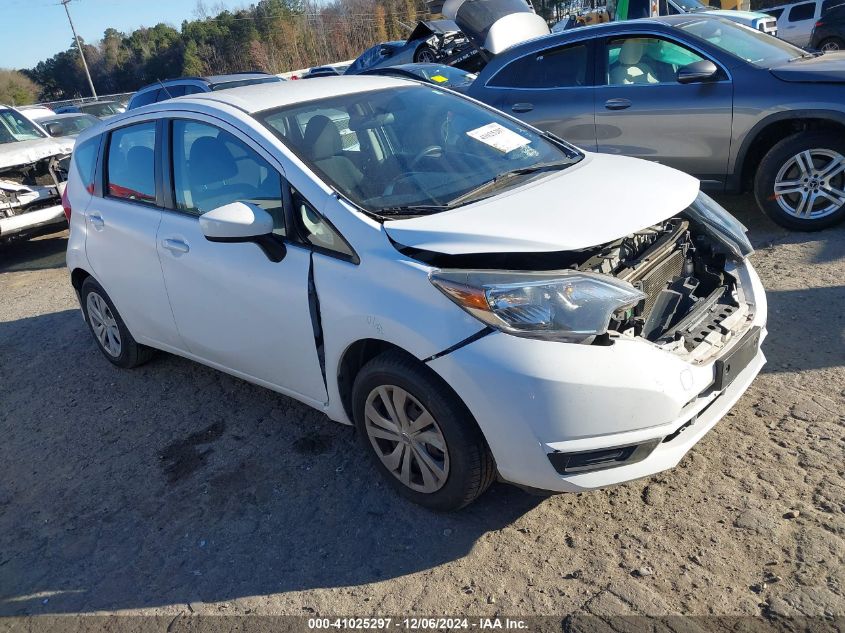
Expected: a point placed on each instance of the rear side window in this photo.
(560, 68)
(85, 159)
(801, 12)
(130, 167)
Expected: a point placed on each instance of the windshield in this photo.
(443, 75)
(411, 146)
(16, 127)
(99, 109)
(70, 125)
(753, 46)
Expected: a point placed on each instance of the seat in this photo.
(630, 68)
(322, 143)
(210, 167)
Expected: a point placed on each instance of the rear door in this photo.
(552, 89)
(643, 111)
(121, 234)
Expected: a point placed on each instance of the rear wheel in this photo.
(800, 183)
(832, 44)
(420, 435)
(109, 330)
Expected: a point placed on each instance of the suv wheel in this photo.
(109, 330)
(800, 183)
(832, 44)
(420, 435)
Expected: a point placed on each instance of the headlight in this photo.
(720, 225)
(565, 305)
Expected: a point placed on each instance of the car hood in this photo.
(595, 201)
(496, 25)
(25, 152)
(827, 68)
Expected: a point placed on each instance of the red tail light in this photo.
(66, 204)
(819, 23)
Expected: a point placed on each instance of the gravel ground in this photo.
(174, 488)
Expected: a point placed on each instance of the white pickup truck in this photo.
(33, 171)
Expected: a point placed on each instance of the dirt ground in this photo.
(174, 488)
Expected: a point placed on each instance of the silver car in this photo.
(736, 108)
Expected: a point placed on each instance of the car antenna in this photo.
(163, 87)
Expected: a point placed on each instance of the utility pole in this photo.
(79, 46)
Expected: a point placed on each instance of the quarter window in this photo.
(315, 228)
(212, 168)
(131, 163)
(801, 12)
(85, 159)
(644, 60)
(560, 68)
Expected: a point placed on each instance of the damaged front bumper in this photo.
(569, 417)
(30, 199)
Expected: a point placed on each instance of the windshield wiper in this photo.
(414, 209)
(508, 175)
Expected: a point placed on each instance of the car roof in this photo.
(222, 79)
(258, 97)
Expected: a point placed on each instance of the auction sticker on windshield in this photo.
(498, 137)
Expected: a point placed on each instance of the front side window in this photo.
(646, 60)
(802, 12)
(414, 146)
(556, 68)
(16, 127)
(131, 163)
(750, 45)
(212, 168)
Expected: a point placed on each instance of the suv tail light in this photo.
(66, 203)
(819, 23)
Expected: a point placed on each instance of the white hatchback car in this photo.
(476, 296)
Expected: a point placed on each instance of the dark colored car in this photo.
(431, 41)
(171, 88)
(99, 109)
(437, 74)
(68, 123)
(829, 32)
(738, 109)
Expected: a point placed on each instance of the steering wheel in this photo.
(427, 152)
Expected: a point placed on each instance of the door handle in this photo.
(175, 246)
(522, 107)
(617, 104)
(96, 221)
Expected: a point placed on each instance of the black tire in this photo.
(471, 466)
(776, 159)
(832, 44)
(425, 54)
(131, 353)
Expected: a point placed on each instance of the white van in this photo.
(796, 20)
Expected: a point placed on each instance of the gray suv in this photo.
(736, 108)
(170, 88)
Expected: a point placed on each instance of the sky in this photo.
(34, 30)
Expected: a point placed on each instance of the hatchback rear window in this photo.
(801, 12)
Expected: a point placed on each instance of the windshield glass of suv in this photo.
(753, 46)
(412, 146)
(16, 127)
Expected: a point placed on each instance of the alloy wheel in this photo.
(830, 45)
(811, 184)
(103, 324)
(406, 438)
(426, 57)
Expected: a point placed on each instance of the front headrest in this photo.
(322, 138)
(210, 161)
(632, 52)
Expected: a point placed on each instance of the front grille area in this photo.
(659, 277)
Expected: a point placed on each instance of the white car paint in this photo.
(228, 306)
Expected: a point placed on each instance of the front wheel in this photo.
(800, 183)
(425, 55)
(420, 435)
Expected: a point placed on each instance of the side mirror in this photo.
(697, 72)
(53, 129)
(239, 222)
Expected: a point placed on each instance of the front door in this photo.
(643, 111)
(234, 308)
